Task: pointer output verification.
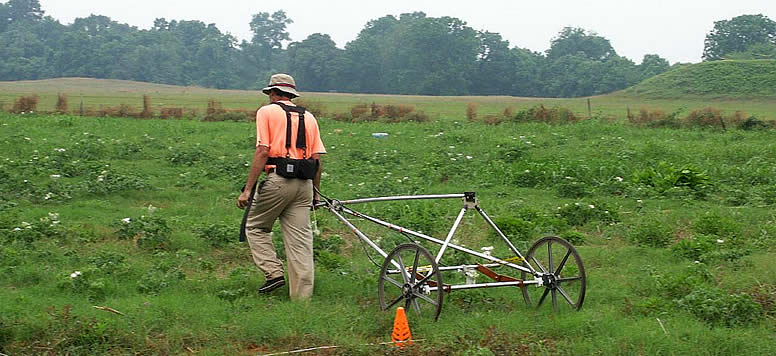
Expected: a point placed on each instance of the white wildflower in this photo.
(17, 229)
(126, 220)
(619, 179)
(720, 240)
(468, 157)
(48, 196)
(151, 209)
(75, 274)
(451, 147)
(360, 184)
(26, 225)
(55, 176)
(405, 178)
(591, 206)
(453, 159)
(639, 201)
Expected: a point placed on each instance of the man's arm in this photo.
(259, 160)
(317, 179)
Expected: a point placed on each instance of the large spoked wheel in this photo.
(563, 275)
(411, 279)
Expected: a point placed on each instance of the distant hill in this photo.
(719, 79)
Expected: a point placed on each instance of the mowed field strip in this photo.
(107, 92)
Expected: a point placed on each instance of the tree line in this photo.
(407, 54)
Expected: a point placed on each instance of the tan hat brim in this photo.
(288, 90)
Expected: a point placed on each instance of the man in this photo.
(289, 199)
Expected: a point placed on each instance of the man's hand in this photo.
(242, 200)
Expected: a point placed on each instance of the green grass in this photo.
(189, 172)
(730, 79)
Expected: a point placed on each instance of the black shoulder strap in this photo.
(301, 139)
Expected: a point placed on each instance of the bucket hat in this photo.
(282, 82)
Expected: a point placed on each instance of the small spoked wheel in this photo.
(563, 276)
(410, 278)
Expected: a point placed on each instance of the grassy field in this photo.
(729, 79)
(676, 228)
(96, 93)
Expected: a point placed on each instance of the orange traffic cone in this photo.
(401, 329)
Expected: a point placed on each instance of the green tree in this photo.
(652, 65)
(756, 51)
(264, 53)
(578, 42)
(495, 71)
(365, 57)
(24, 10)
(316, 63)
(4, 16)
(737, 35)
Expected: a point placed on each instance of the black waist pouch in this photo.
(295, 168)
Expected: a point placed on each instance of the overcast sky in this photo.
(673, 29)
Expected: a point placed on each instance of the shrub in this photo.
(581, 213)
(753, 123)
(417, 116)
(359, 111)
(61, 103)
(678, 283)
(87, 282)
(317, 108)
(151, 232)
(714, 224)
(655, 118)
(108, 181)
(492, 119)
(236, 115)
(717, 307)
(571, 188)
(711, 117)
(25, 104)
(167, 113)
(765, 295)
(554, 115)
(651, 232)
(187, 156)
(665, 176)
(509, 112)
(123, 110)
(471, 111)
(157, 279)
(147, 110)
(574, 237)
(709, 248)
(213, 108)
(514, 227)
(218, 234)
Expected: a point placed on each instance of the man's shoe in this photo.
(272, 284)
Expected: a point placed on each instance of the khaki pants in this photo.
(290, 200)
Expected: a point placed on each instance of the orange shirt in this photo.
(271, 132)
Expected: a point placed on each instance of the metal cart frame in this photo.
(542, 271)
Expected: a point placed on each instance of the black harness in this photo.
(301, 138)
